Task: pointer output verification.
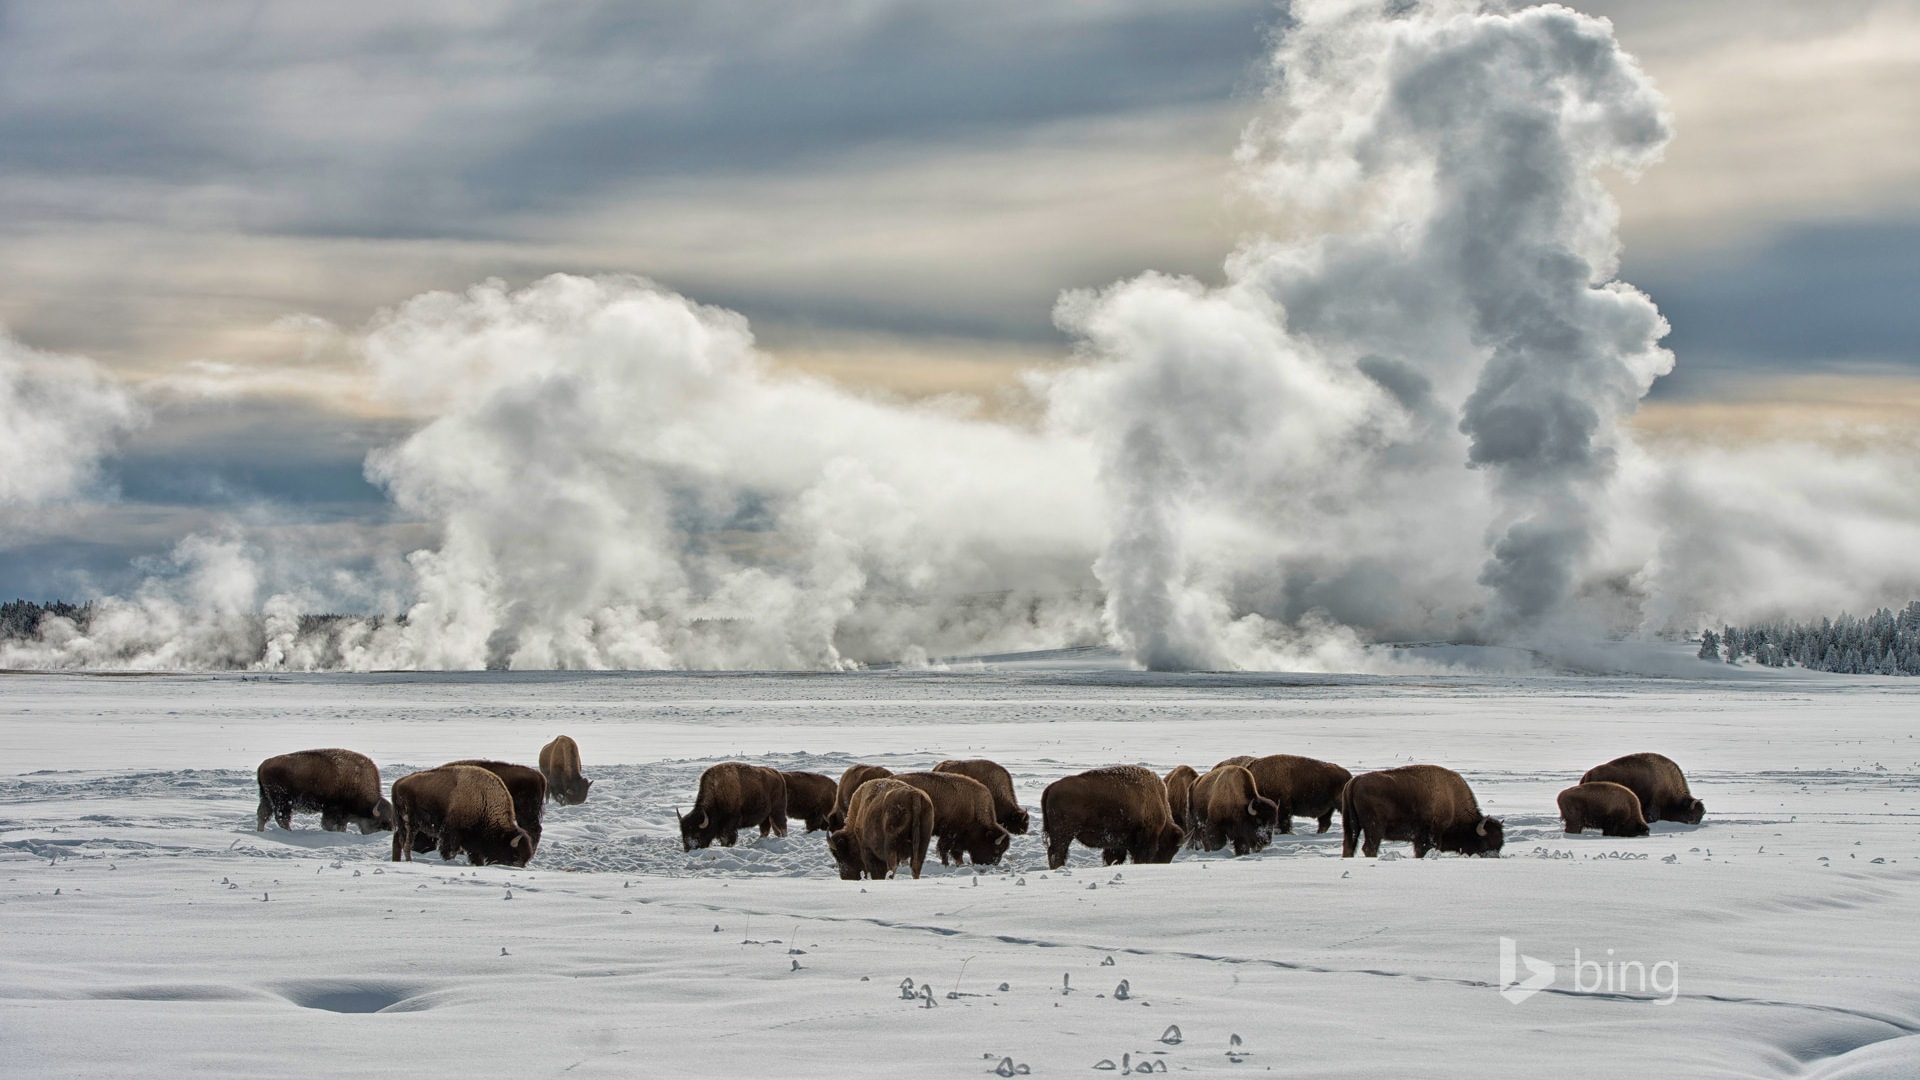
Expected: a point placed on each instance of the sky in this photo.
(201, 197)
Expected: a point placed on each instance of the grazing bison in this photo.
(1429, 805)
(1303, 786)
(1228, 808)
(850, 782)
(1006, 808)
(810, 797)
(528, 788)
(467, 808)
(341, 786)
(560, 764)
(734, 796)
(1603, 805)
(1120, 810)
(963, 821)
(1179, 781)
(888, 822)
(1659, 783)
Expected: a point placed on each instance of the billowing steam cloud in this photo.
(61, 415)
(1398, 418)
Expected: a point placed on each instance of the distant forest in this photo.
(21, 618)
(1884, 643)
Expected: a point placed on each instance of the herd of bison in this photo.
(876, 819)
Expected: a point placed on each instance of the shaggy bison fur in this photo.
(963, 822)
(560, 764)
(1303, 786)
(735, 796)
(1603, 805)
(1431, 806)
(1228, 808)
(850, 782)
(810, 797)
(467, 808)
(1659, 783)
(528, 788)
(341, 786)
(1120, 810)
(1006, 808)
(888, 822)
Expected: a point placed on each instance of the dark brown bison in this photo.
(850, 782)
(528, 788)
(467, 808)
(1429, 805)
(810, 797)
(1179, 781)
(735, 796)
(1659, 783)
(1603, 805)
(888, 822)
(341, 786)
(963, 823)
(1006, 808)
(1303, 786)
(560, 764)
(1120, 810)
(1228, 808)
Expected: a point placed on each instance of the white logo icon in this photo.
(1540, 973)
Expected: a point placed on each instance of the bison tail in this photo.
(922, 835)
(1349, 827)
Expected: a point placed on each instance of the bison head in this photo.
(381, 821)
(995, 846)
(1485, 839)
(1168, 843)
(696, 832)
(1018, 822)
(840, 845)
(1693, 813)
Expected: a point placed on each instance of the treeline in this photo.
(21, 618)
(1884, 643)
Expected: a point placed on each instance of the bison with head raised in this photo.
(1426, 804)
(1121, 811)
(734, 796)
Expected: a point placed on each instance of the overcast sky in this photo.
(894, 193)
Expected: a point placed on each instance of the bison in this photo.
(1120, 810)
(467, 808)
(1659, 784)
(341, 786)
(734, 796)
(888, 822)
(810, 797)
(850, 782)
(1179, 781)
(1228, 808)
(528, 788)
(1303, 786)
(1429, 805)
(560, 764)
(963, 820)
(1603, 805)
(1006, 808)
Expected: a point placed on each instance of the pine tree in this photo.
(1709, 646)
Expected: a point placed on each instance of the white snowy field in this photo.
(146, 929)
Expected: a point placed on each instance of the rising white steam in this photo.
(59, 416)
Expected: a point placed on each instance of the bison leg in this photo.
(1572, 824)
(1057, 847)
(448, 848)
(1422, 843)
(332, 822)
(779, 823)
(261, 815)
(402, 844)
(1326, 821)
(283, 812)
(1349, 835)
(1370, 846)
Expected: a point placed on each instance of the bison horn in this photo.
(703, 821)
(1253, 809)
(1481, 829)
(678, 816)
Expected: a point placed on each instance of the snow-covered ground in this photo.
(147, 930)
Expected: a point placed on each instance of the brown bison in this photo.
(560, 764)
(1179, 781)
(888, 822)
(1120, 810)
(1603, 805)
(963, 822)
(341, 786)
(1228, 808)
(850, 782)
(467, 808)
(810, 797)
(1006, 808)
(1659, 783)
(528, 788)
(1303, 786)
(734, 796)
(1429, 805)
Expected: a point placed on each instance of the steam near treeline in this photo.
(1884, 643)
(1399, 417)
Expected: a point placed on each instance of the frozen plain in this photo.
(146, 929)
